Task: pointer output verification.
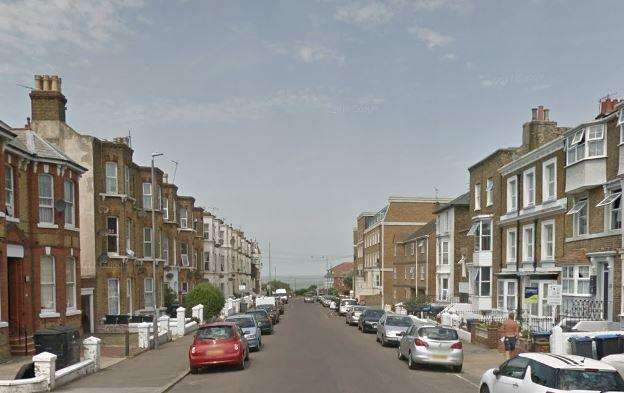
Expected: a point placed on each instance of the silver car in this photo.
(435, 345)
(353, 314)
(391, 328)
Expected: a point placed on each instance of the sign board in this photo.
(464, 287)
(242, 287)
(531, 295)
(555, 295)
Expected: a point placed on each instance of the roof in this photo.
(341, 269)
(462, 200)
(422, 231)
(496, 152)
(567, 361)
(36, 147)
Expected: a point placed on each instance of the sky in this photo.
(290, 117)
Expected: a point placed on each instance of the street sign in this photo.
(531, 295)
(242, 287)
(555, 295)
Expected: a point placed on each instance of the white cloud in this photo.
(307, 52)
(430, 37)
(38, 27)
(449, 57)
(432, 5)
(367, 15)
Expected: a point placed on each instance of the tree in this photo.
(418, 302)
(348, 281)
(209, 296)
(275, 284)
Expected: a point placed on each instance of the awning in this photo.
(577, 207)
(609, 199)
(473, 229)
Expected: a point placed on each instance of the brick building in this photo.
(40, 255)
(337, 275)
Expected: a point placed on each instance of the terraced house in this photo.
(40, 255)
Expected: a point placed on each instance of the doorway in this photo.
(16, 297)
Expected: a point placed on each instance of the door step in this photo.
(22, 346)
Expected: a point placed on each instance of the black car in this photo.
(274, 313)
(369, 319)
(264, 322)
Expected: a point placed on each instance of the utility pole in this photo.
(153, 250)
(269, 283)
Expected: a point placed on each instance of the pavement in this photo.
(9, 369)
(313, 352)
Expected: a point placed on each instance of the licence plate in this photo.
(438, 357)
(214, 352)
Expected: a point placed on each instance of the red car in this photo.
(219, 343)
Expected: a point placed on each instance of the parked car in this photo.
(436, 345)
(308, 298)
(545, 372)
(264, 322)
(218, 343)
(273, 312)
(345, 304)
(249, 326)
(353, 314)
(391, 328)
(369, 319)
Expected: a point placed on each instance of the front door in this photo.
(85, 301)
(605, 291)
(16, 297)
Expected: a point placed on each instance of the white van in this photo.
(266, 300)
(282, 294)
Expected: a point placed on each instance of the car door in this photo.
(405, 340)
(511, 375)
(380, 327)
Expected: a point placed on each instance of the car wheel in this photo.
(194, 370)
(247, 355)
(411, 364)
(243, 364)
(383, 341)
(346, 321)
(259, 345)
(484, 389)
(376, 337)
(457, 369)
(399, 354)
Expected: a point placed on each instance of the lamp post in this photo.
(153, 251)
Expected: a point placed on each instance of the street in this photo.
(312, 352)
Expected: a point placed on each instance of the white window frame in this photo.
(128, 237)
(528, 194)
(70, 283)
(476, 230)
(512, 197)
(477, 196)
(113, 300)
(620, 124)
(149, 294)
(165, 208)
(165, 249)
(489, 191)
(127, 188)
(46, 202)
(111, 176)
(613, 198)
(545, 255)
(184, 256)
(129, 305)
(580, 205)
(480, 281)
(51, 284)
(69, 196)
(570, 274)
(528, 255)
(444, 254)
(512, 244)
(148, 195)
(9, 186)
(183, 218)
(596, 137)
(546, 182)
(114, 235)
(579, 145)
(147, 242)
(504, 294)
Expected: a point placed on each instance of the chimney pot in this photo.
(46, 83)
(546, 112)
(608, 105)
(38, 82)
(534, 114)
(54, 85)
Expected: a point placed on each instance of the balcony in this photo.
(586, 174)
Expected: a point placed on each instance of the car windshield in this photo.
(215, 333)
(373, 314)
(399, 321)
(358, 308)
(266, 307)
(590, 380)
(242, 322)
(262, 315)
(438, 333)
(348, 302)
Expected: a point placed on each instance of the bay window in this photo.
(529, 187)
(148, 292)
(586, 143)
(595, 140)
(147, 196)
(183, 218)
(147, 242)
(111, 177)
(621, 125)
(46, 199)
(184, 254)
(477, 196)
(127, 188)
(129, 295)
(444, 252)
(165, 208)
(165, 250)
(483, 280)
(512, 194)
(482, 232)
(70, 283)
(528, 241)
(68, 197)
(129, 230)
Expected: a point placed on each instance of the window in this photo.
(129, 231)
(592, 136)
(528, 241)
(444, 288)
(483, 280)
(543, 375)
(147, 242)
(444, 252)
(112, 235)
(512, 194)
(206, 261)
(511, 244)
(422, 272)
(184, 287)
(129, 295)
(48, 284)
(477, 196)
(575, 280)
(113, 296)
(621, 125)
(184, 254)
(548, 241)
(412, 248)
(158, 243)
(10, 190)
(529, 188)
(165, 251)
(147, 196)
(127, 188)
(613, 209)
(482, 232)
(183, 218)
(165, 208)
(68, 197)
(46, 199)
(579, 217)
(70, 283)
(489, 192)
(148, 288)
(595, 140)
(507, 295)
(111, 177)
(377, 277)
(514, 368)
(549, 180)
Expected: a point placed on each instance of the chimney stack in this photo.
(539, 130)
(540, 114)
(47, 101)
(607, 105)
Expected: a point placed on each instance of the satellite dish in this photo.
(103, 258)
(59, 205)
(130, 253)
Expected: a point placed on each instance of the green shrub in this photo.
(208, 295)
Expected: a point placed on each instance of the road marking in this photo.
(466, 380)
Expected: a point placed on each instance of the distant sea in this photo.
(298, 282)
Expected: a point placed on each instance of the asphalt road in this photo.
(311, 352)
